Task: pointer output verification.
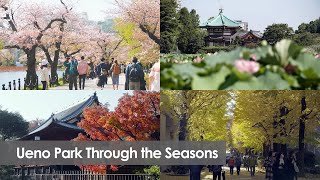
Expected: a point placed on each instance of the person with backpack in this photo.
(134, 75)
(102, 73)
(231, 163)
(83, 70)
(72, 67)
(115, 72)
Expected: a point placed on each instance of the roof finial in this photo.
(221, 11)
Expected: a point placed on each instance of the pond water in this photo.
(6, 77)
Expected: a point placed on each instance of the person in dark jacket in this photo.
(195, 172)
(280, 167)
(238, 164)
(216, 171)
(72, 71)
(102, 73)
(134, 75)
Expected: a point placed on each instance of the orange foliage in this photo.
(136, 118)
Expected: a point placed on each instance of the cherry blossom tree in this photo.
(145, 14)
(27, 26)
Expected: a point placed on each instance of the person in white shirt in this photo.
(44, 74)
(154, 77)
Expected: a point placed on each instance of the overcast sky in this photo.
(96, 9)
(258, 13)
(41, 104)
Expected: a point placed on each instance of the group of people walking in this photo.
(279, 167)
(79, 70)
(249, 162)
(134, 74)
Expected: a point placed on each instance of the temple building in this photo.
(246, 38)
(62, 125)
(222, 31)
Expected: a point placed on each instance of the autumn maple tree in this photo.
(136, 118)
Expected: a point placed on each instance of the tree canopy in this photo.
(12, 125)
(136, 118)
(276, 32)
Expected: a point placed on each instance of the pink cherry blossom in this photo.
(247, 66)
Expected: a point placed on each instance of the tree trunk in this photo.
(31, 79)
(183, 118)
(183, 127)
(54, 67)
(301, 136)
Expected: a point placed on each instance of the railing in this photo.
(79, 175)
(12, 86)
(16, 85)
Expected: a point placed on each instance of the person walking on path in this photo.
(72, 67)
(280, 168)
(44, 74)
(134, 75)
(268, 163)
(238, 164)
(293, 169)
(115, 72)
(154, 77)
(83, 70)
(195, 172)
(231, 164)
(143, 82)
(91, 71)
(245, 162)
(102, 73)
(216, 171)
(252, 162)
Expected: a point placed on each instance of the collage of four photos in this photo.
(243, 72)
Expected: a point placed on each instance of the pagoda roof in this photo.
(63, 118)
(221, 20)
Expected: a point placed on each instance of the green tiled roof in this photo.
(221, 20)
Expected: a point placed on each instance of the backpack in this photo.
(116, 69)
(103, 71)
(73, 68)
(134, 73)
(82, 67)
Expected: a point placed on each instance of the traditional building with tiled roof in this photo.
(222, 31)
(62, 125)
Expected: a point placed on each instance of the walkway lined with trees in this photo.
(53, 31)
(251, 122)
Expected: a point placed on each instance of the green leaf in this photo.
(227, 58)
(308, 65)
(211, 82)
(268, 81)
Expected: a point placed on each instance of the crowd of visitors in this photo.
(77, 71)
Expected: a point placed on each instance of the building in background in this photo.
(222, 31)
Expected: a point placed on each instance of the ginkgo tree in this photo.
(136, 118)
(276, 119)
(200, 115)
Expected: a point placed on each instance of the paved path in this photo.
(91, 84)
(244, 175)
